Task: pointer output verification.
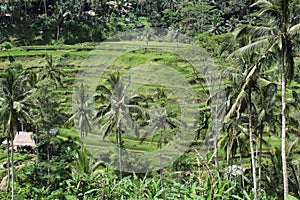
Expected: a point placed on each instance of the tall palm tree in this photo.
(276, 36)
(246, 101)
(158, 123)
(82, 113)
(251, 139)
(15, 104)
(266, 100)
(116, 114)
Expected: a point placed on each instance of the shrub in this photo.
(6, 45)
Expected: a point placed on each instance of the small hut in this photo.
(22, 139)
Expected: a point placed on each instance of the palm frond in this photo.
(294, 30)
(290, 64)
(293, 145)
(271, 13)
(104, 90)
(261, 32)
(241, 93)
(70, 120)
(107, 128)
(137, 109)
(262, 3)
(252, 47)
(148, 133)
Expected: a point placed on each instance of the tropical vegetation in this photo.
(96, 87)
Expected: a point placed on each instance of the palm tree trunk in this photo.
(45, 10)
(120, 150)
(241, 162)
(238, 115)
(283, 122)
(256, 160)
(57, 31)
(228, 152)
(228, 148)
(48, 161)
(80, 8)
(216, 151)
(12, 165)
(8, 163)
(251, 145)
(160, 160)
(12, 10)
(260, 155)
(25, 11)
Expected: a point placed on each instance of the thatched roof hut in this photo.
(22, 139)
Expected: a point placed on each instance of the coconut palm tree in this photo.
(82, 113)
(267, 115)
(246, 101)
(14, 109)
(231, 137)
(276, 36)
(116, 113)
(159, 121)
(51, 71)
(106, 93)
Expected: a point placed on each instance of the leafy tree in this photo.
(46, 118)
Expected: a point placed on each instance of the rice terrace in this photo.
(159, 99)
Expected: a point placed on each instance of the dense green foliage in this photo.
(55, 22)
(43, 47)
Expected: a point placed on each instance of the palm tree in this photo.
(276, 36)
(236, 77)
(106, 93)
(14, 109)
(251, 139)
(246, 101)
(82, 113)
(116, 113)
(51, 71)
(251, 130)
(266, 101)
(159, 121)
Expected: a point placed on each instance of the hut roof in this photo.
(22, 139)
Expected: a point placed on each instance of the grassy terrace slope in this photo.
(76, 58)
(129, 58)
(92, 63)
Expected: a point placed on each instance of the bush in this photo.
(6, 45)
